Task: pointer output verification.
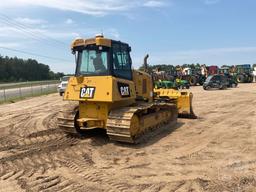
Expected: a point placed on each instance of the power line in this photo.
(27, 33)
(30, 34)
(36, 36)
(34, 54)
(25, 29)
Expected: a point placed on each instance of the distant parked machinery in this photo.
(162, 75)
(194, 76)
(166, 85)
(225, 70)
(182, 84)
(228, 71)
(244, 73)
(212, 70)
(168, 79)
(172, 73)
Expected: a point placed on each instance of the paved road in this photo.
(7, 94)
(27, 84)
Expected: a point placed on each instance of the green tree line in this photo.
(16, 69)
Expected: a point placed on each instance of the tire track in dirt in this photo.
(240, 118)
(38, 161)
(36, 183)
(212, 132)
(38, 138)
(41, 149)
(87, 172)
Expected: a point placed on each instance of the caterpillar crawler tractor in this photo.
(111, 95)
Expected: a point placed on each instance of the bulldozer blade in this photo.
(185, 109)
(190, 115)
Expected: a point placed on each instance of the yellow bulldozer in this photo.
(111, 95)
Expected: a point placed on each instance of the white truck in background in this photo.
(63, 85)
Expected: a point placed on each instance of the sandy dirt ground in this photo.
(216, 152)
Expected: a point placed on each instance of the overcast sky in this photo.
(171, 31)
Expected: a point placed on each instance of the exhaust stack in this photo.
(146, 63)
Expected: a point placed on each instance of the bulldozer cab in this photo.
(112, 59)
(103, 72)
(109, 60)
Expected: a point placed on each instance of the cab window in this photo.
(92, 61)
(121, 61)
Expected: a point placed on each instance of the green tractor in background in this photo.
(165, 84)
(243, 73)
(177, 84)
(192, 74)
(168, 79)
(182, 84)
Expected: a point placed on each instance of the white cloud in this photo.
(29, 21)
(69, 21)
(91, 7)
(154, 3)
